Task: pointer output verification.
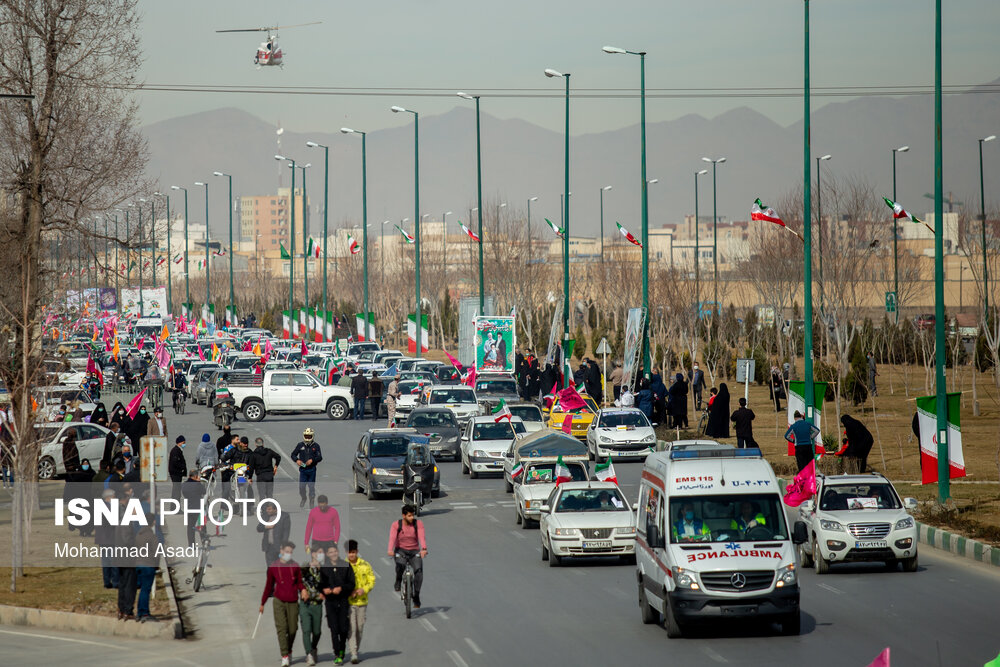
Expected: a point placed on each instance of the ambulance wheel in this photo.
(649, 615)
(670, 622)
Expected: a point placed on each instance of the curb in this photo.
(104, 626)
(958, 545)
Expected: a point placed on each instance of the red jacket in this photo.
(323, 526)
(284, 581)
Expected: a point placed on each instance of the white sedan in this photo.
(620, 433)
(484, 444)
(90, 439)
(535, 486)
(587, 519)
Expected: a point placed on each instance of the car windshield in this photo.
(626, 419)
(545, 473)
(528, 413)
(429, 419)
(447, 373)
(591, 500)
(453, 396)
(504, 386)
(358, 348)
(410, 387)
(389, 445)
(727, 518)
(496, 431)
(875, 495)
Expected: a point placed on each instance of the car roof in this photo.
(482, 419)
(853, 479)
(391, 431)
(618, 410)
(588, 485)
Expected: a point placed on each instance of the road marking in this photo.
(578, 572)
(442, 614)
(492, 518)
(831, 589)
(457, 659)
(460, 502)
(427, 624)
(387, 562)
(472, 645)
(518, 534)
(713, 655)
(66, 639)
(366, 542)
(506, 503)
(465, 507)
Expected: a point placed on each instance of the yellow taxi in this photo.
(581, 418)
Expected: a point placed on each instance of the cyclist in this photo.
(408, 545)
(179, 386)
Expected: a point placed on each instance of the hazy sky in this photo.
(474, 46)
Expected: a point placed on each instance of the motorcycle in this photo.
(418, 474)
(224, 411)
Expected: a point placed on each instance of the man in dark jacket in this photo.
(104, 536)
(176, 467)
(109, 445)
(859, 444)
(306, 456)
(241, 454)
(337, 580)
(697, 379)
(224, 440)
(742, 419)
(359, 390)
(265, 464)
(275, 535)
(124, 536)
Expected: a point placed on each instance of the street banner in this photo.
(154, 301)
(360, 321)
(495, 341)
(108, 299)
(552, 351)
(797, 403)
(633, 336)
(927, 424)
(411, 333)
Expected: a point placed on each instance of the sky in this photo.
(480, 47)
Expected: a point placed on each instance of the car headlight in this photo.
(903, 524)
(479, 452)
(379, 471)
(649, 438)
(567, 532)
(625, 530)
(830, 525)
(685, 579)
(786, 576)
(528, 504)
(604, 439)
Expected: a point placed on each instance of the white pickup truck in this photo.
(287, 391)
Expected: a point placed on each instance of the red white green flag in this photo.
(314, 248)
(762, 212)
(178, 259)
(605, 472)
(501, 412)
(409, 239)
(562, 473)
(900, 213)
(517, 471)
(628, 235)
(471, 234)
(559, 231)
(160, 261)
(221, 252)
(352, 245)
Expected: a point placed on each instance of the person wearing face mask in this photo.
(78, 484)
(323, 524)
(284, 583)
(207, 455)
(131, 473)
(127, 582)
(274, 535)
(139, 426)
(157, 425)
(689, 528)
(307, 455)
(265, 464)
(176, 467)
(338, 586)
(311, 604)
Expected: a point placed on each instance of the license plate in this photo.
(742, 610)
(601, 544)
(496, 464)
(399, 481)
(871, 544)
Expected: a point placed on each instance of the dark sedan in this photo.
(442, 427)
(378, 463)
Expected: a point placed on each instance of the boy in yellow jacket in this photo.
(364, 578)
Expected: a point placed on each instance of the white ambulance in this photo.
(713, 541)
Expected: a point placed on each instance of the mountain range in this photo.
(522, 160)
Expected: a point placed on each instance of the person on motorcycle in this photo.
(407, 544)
(418, 472)
(240, 455)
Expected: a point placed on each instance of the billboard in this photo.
(633, 334)
(154, 301)
(494, 344)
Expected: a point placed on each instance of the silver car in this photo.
(90, 439)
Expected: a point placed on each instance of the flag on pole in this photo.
(455, 362)
(898, 212)
(559, 231)
(93, 368)
(179, 258)
(161, 260)
(605, 472)
(517, 471)
(570, 399)
(927, 425)
(221, 252)
(256, 348)
(352, 245)
(284, 253)
(562, 473)
(314, 249)
(628, 235)
(567, 425)
(115, 351)
(215, 352)
(409, 239)
(132, 409)
(501, 411)
(164, 334)
(471, 234)
(201, 353)
(803, 487)
(201, 265)
(762, 212)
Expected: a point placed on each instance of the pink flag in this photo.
(803, 487)
(470, 379)
(201, 355)
(162, 356)
(268, 348)
(181, 325)
(303, 348)
(882, 660)
(141, 341)
(455, 362)
(567, 426)
(132, 409)
(570, 399)
(247, 346)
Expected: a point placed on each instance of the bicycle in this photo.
(406, 588)
(703, 422)
(198, 574)
(179, 400)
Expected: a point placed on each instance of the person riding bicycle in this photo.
(179, 385)
(407, 544)
(418, 471)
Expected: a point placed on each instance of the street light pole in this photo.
(819, 225)
(479, 200)
(208, 272)
(139, 236)
(697, 258)
(715, 229)
(416, 225)
(291, 252)
(810, 397)
(305, 247)
(170, 261)
(944, 482)
(187, 284)
(606, 187)
(551, 73)
(895, 233)
(982, 210)
(326, 205)
(231, 310)
(530, 199)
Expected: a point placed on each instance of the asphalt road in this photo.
(490, 600)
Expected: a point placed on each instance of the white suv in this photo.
(858, 518)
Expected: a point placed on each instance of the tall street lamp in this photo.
(416, 223)
(819, 224)
(645, 199)
(551, 73)
(810, 396)
(326, 205)
(715, 231)
(944, 481)
(305, 246)
(208, 283)
(895, 233)
(444, 243)
(291, 251)
(231, 310)
(479, 200)
(170, 284)
(982, 212)
(139, 236)
(187, 284)
(697, 257)
(364, 224)
(152, 233)
(603, 190)
(530, 199)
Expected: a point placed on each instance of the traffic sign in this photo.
(603, 347)
(890, 302)
(745, 369)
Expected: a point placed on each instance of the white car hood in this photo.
(846, 517)
(531, 427)
(539, 491)
(592, 519)
(491, 446)
(736, 555)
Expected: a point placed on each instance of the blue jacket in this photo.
(645, 402)
(801, 432)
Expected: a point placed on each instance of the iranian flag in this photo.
(628, 235)
(409, 239)
(501, 412)
(178, 259)
(201, 265)
(160, 261)
(284, 253)
(517, 471)
(605, 472)
(559, 231)
(927, 420)
(221, 252)
(762, 212)
(352, 245)
(468, 232)
(898, 212)
(145, 264)
(314, 249)
(562, 473)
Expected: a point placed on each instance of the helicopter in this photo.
(269, 53)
